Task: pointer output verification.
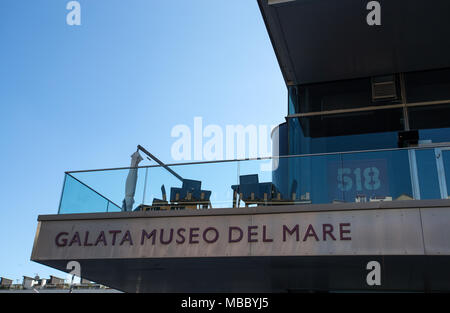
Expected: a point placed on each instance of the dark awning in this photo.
(326, 40)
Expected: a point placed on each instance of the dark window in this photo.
(352, 123)
(428, 86)
(348, 94)
(345, 132)
(434, 116)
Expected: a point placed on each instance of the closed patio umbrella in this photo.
(130, 186)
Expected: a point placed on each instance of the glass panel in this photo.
(203, 186)
(317, 178)
(295, 180)
(159, 185)
(79, 198)
(112, 183)
(256, 184)
(377, 176)
(428, 175)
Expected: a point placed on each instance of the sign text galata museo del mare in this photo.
(207, 235)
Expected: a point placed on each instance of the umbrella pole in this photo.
(160, 162)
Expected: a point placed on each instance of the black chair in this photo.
(190, 193)
(251, 191)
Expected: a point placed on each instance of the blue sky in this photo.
(83, 97)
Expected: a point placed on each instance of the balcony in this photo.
(368, 176)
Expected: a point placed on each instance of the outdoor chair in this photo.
(190, 195)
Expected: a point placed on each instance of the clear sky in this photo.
(83, 97)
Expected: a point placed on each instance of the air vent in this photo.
(384, 88)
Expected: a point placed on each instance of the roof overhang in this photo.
(327, 40)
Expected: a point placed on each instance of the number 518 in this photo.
(370, 178)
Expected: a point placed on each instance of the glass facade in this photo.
(354, 115)
(365, 115)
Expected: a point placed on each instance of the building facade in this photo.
(358, 181)
(358, 87)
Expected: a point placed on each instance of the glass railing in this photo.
(381, 175)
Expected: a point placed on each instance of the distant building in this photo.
(41, 282)
(55, 281)
(51, 285)
(5, 282)
(28, 282)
